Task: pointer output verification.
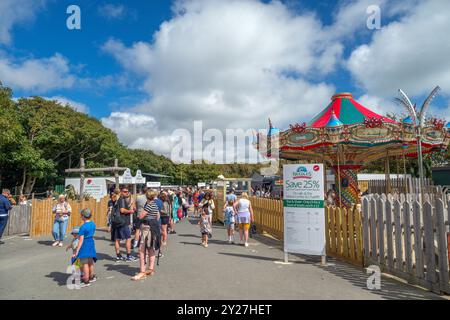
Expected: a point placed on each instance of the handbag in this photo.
(179, 213)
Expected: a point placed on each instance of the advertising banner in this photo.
(304, 215)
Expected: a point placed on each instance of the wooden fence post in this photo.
(366, 212)
(442, 245)
(389, 233)
(407, 228)
(429, 243)
(398, 236)
(418, 243)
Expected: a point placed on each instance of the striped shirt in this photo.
(152, 211)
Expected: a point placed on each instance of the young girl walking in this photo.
(205, 227)
(229, 220)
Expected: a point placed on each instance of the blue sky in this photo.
(146, 68)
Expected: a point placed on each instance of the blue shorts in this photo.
(122, 233)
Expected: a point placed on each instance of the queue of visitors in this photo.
(142, 223)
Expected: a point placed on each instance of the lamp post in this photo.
(418, 122)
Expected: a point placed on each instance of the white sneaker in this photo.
(55, 243)
(60, 244)
(206, 245)
(246, 244)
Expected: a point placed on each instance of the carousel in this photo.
(346, 135)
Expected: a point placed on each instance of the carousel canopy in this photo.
(349, 133)
(346, 110)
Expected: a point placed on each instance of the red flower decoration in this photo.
(373, 122)
(298, 128)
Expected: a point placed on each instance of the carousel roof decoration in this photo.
(347, 129)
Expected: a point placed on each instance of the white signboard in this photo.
(153, 184)
(127, 178)
(95, 186)
(202, 184)
(139, 179)
(304, 213)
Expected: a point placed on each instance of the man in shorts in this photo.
(124, 232)
(141, 200)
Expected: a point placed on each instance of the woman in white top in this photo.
(62, 211)
(244, 210)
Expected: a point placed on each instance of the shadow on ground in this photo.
(46, 242)
(59, 277)
(390, 289)
(251, 256)
(124, 269)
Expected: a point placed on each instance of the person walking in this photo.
(165, 217)
(196, 202)
(229, 220)
(175, 206)
(184, 204)
(150, 236)
(111, 204)
(62, 211)
(205, 227)
(208, 203)
(86, 248)
(244, 210)
(123, 210)
(141, 200)
(5, 206)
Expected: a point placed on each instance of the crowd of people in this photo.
(142, 224)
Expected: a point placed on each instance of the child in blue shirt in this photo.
(229, 220)
(86, 248)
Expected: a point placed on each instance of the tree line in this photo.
(41, 138)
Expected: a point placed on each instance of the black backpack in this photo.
(117, 219)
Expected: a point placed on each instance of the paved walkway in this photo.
(32, 269)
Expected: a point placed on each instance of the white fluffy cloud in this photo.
(112, 11)
(411, 54)
(231, 64)
(78, 106)
(37, 75)
(14, 12)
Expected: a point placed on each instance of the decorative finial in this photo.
(270, 124)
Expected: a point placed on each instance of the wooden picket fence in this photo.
(402, 185)
(408, 240)
(42, 217)
(19, 220)
(343, 234)
(269, 216)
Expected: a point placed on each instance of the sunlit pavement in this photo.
(33, 269)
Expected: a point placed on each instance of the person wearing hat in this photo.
(62, 211)
(86, 248)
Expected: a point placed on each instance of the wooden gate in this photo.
(19, 220)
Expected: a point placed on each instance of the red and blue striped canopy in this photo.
(347, 110)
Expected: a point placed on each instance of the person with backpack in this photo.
(121, 222)
(150, 236)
